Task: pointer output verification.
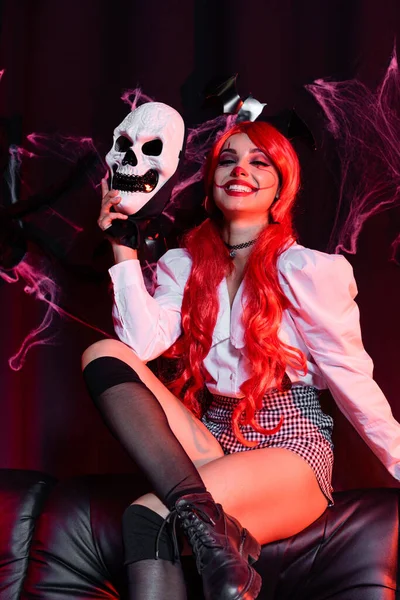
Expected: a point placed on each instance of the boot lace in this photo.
(193, 521)
(169, 520)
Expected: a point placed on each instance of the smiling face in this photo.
(245, 181)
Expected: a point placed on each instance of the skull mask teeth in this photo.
(145, 154)
(135, 183)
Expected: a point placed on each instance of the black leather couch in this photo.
(63, 541)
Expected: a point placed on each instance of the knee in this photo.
(152, 502)
(145, 536)
(105, 364)
(101, 348)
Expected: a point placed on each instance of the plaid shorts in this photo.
(306, 430)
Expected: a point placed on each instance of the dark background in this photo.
(66, 66)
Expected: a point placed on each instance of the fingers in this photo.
(105, 220)
(104, 187)
(110, 199)
(107, 195)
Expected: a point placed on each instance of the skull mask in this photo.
(145, 154)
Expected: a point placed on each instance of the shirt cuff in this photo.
(126, 274)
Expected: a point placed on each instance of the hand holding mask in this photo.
(143, 166)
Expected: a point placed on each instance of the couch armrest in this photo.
(349, 553)
(77, 549)
(22, 495)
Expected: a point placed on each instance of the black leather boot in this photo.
(223, 549)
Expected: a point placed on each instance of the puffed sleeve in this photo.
(149, 324)
(321, 289)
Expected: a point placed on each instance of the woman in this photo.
(263, 323)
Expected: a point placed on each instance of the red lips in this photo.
(237, 182)
(240, 182)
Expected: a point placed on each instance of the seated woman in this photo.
(264, 323)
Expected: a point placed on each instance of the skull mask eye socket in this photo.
(152, 148)
(123, 144)
(145, 155)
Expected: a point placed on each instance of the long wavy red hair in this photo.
(264, 299)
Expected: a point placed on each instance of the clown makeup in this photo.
(244, 180)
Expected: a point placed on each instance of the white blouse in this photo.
(323, 322)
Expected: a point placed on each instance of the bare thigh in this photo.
(200, 445)
(273, 492)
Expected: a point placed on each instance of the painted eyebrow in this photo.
(252, 151)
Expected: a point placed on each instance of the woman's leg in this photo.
(273, 492)
(150, 578)
(199, 444)
(139, 410)
(282, 502)
(141, 420)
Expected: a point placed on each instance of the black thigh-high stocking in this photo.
(138, 421)
(151, 578)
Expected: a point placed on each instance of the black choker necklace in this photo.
(232, 249)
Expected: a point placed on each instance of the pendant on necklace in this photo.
(232, 249)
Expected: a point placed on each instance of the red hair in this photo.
(265, 301)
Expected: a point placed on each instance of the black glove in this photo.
(132, 231)
(127, 232)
